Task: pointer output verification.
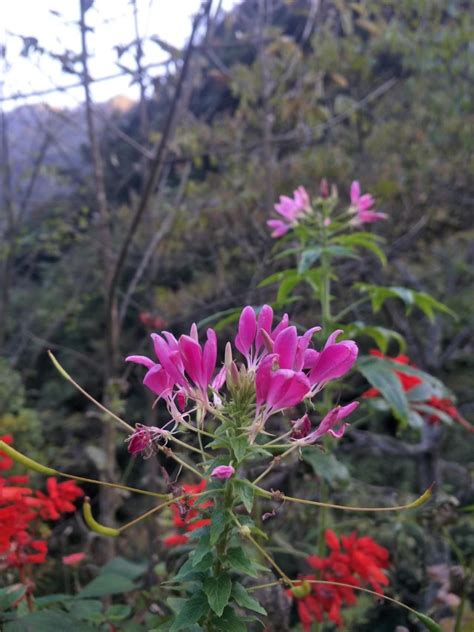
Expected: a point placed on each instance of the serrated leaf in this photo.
(240, 446)
(325, 465)
(121, 566)
(118, 612)
(218, 591)
(230, 622)
(245, 600)
(382, 377)
(239, 562)
(85, 608)
(190, 612)
(203, 547)
(246, 493)
(219, 519)
(107, 584)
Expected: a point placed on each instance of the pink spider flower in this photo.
(254, 333)
(143, 439)
(185, 368)
(303, 434)
(291, 209)
(362, 206)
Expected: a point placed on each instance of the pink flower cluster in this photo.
(362, 205)
(283, 366)
(291, 209)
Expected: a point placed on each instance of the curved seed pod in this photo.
(26, 461)
(93, 524)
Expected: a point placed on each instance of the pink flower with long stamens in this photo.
(291, 209)
(302, 427)
(255, 337)
(362, 206)
(143, 439)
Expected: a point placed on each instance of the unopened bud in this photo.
(228, 355)
(334, 191)
(324, 188)
(245, 531)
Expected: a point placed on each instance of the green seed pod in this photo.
(26, 461)
(94, 525)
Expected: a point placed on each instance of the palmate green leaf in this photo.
(426, 303)
(430, 411)
(245, 600)
(218, 591)
(382, 336)
(190, 612)
(308, 257)
(367, 241)
(277, 277)
(286, 286)
(381, 376)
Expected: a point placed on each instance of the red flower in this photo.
(59, 498)
(73, 559)
(407, 381)
(186, 515)
(352, 561)
(22, 512)
(5, 461)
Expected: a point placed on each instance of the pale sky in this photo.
(54, 24)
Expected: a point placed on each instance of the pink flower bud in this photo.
(223, 472)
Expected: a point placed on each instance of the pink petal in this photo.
(285, 347)
(366, 202)
(209, 357)
(191, 354)
(166, 354)
(283, 324)
(355, 192)
(246, 331)
(287, 388)
(264, 322)
(263, 378)
(158, 381)
(278, 227)
(219, 381)
(334, 362)
(138, 359)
